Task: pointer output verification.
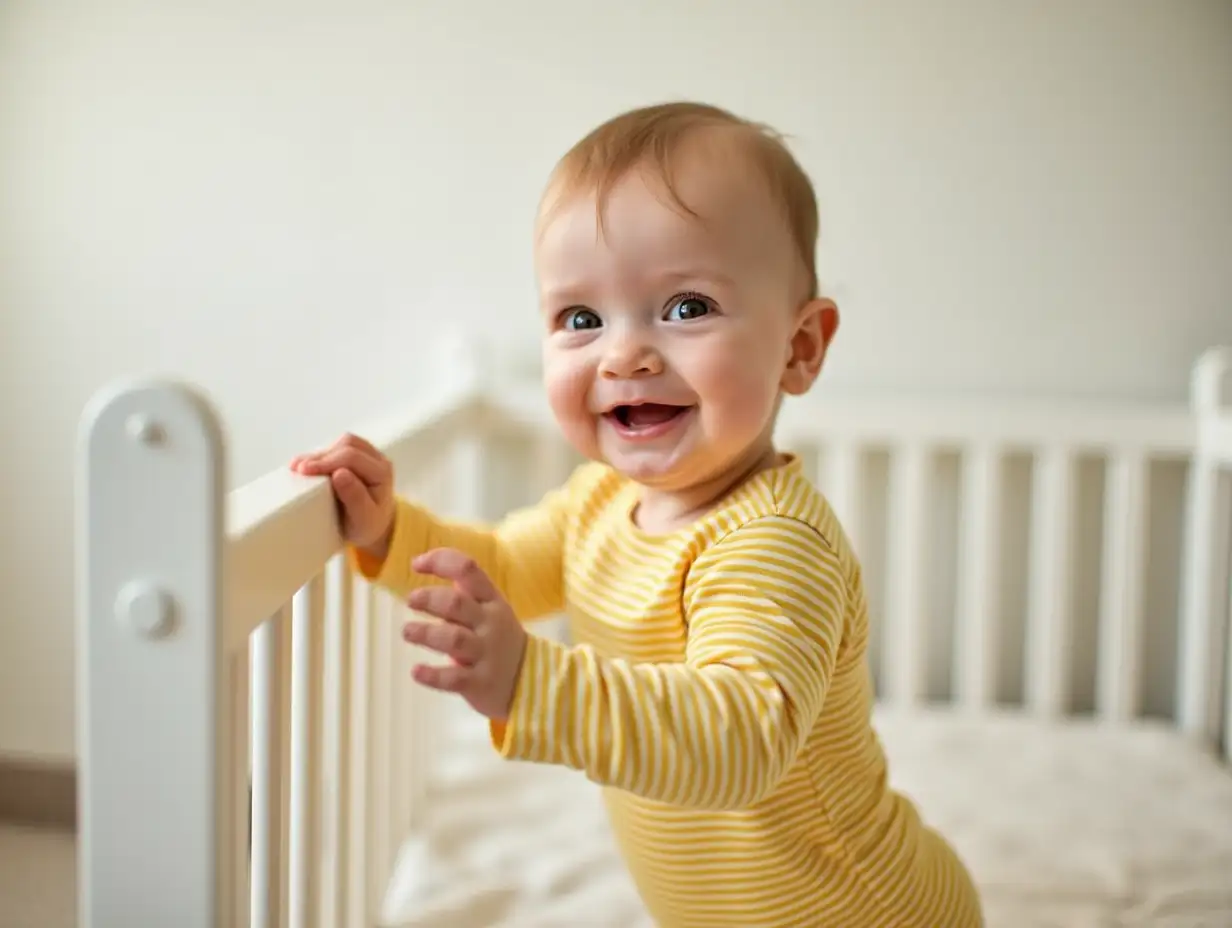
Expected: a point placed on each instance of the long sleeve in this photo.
(523, 554)
(765, 611)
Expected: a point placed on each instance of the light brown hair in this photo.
(653, 136)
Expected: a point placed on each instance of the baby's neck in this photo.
(659, 511)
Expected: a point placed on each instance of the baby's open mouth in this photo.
(646, 415)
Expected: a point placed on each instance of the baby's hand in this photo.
(363, 481)
(480, 633)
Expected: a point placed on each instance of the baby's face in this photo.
(668, 338)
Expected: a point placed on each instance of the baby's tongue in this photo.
(650, 414)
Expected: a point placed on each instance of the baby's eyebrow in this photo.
(685, 275)
(564, 294)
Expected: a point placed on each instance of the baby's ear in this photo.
(816, 325)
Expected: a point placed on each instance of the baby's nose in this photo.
(630, 358)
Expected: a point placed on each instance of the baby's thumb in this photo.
(356, 500)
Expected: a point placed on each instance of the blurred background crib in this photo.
(1050, 591)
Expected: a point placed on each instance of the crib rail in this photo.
(225, 648)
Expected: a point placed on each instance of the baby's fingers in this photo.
(451, 564)
(452, 605)
(369, 466)
(453, 641)
(356, 498)
(450, 679)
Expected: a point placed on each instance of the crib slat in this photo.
(1048, 619)
(239, 805)
(285, 662)
(336, 768)
(841, 484)
(979, 577)
(1197, 692)
(271, 761)
(409, 717)
(906, 658)
(382, 740)
(1122, 585)
(307, 668)
(1227, 669)
(413, 716)
(359, 911)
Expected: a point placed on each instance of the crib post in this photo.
(152, 710)
(1199, 680)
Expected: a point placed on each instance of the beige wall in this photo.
(281, 204)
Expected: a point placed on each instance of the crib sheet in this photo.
(1073, 825)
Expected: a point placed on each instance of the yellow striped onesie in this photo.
(718, 689)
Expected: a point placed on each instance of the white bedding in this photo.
(1072, 825)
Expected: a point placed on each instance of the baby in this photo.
(718, 686)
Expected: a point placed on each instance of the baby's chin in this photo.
(648, 470)
(668, 470)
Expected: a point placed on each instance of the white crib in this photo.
(1034, 562)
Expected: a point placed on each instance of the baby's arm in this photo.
(765, 610)
(523, 554)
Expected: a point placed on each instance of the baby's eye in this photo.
(689, 307)
(580, 319)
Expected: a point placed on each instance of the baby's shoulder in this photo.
(780, 501)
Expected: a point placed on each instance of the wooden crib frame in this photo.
(222, 643)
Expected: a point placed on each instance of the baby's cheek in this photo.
(565, 386)
(744, 401)
(567, 392)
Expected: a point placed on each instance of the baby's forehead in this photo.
(704, 167)
(645, 177)
(711, 184)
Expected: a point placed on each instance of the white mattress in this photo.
(1071, 825)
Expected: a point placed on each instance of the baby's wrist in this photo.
(379, 549)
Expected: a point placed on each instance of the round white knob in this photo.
(145, 609)
(144, 429)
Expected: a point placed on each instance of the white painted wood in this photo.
(271, 691)
(307, 670)
(1198, 680)
(238, 699)
(154, 775)
(1123, 586)
(1217, 438)
(282, 527)
(409, 723)
(841, 482)
(907, 612)
(1208, 383)
(360, 913)
(1049, 642)
(286, 652)
(1202, 627)
(978, 623)
(337, 709)
(1227, 670)
(382, 809)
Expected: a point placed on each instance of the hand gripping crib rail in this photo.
(250, 753)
